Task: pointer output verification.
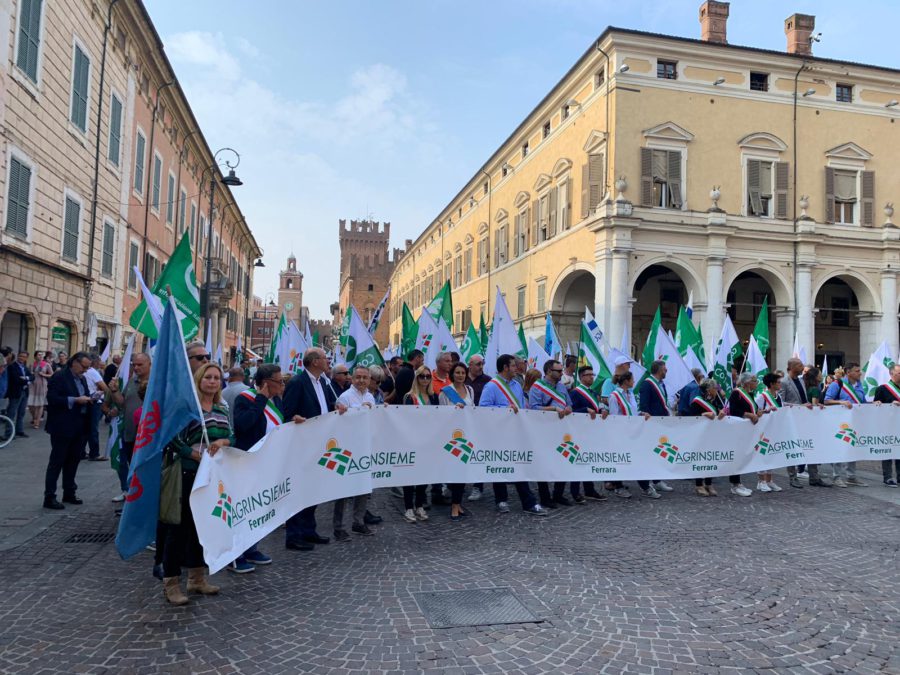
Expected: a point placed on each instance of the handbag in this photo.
(170, 491)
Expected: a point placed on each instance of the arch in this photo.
(562, 165)
(780, 286)
(522, 199)
(866, 295)
(689, 277)
(482, 227)
(762, 140)
(564, 282)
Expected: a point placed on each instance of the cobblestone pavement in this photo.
(801, 581)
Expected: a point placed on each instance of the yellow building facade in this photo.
(660, 167)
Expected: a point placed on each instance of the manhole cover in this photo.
(481, 607)
(91, 538)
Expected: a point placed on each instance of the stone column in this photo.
(618, 298)
(223, 327)
(784, 327)
(805, 324)
(715, 309)
(870, 334)
(889, 326)
(214, 330)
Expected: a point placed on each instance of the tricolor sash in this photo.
(749, 400)
(893, 389)
(587, 395)
(771, 401)
(507, 392)
(703, 403)
(662, 397)
(547, 390)
(849, 391)
(622, 400)
(273, 415)
(419, 399)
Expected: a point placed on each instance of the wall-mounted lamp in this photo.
(809, 92)
(624, 68)
(890, 104)
(719, 81)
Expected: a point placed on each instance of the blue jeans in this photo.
(94, 434)
(16, 411)
(124, 462)
(301, 525)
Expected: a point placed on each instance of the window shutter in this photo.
(753, 187)
(565, 205)
(535, 222)
(551, 225)
(674, 157)
(646, 177)
(115, 130)
(585, 191)
(518, 234)
(868, 198)
(781, 189)
(29, 33)
(504, 244)
(109, 238)
(829, 194)
(597, 184)
(18, 202)
(70, 230)
(497, 248)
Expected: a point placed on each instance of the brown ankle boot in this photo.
(172, 591)
(197, 582)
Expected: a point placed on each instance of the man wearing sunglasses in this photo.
(197, 355)
(128, 402)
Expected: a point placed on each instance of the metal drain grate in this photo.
(480, 607)
(91, 538)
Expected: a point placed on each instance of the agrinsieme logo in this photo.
(459, 446)
(335, 459)
(847, 434)
(666, 450)
(763, 445)
(223, 509)
(568, 449)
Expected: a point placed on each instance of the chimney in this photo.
(713, 17)
(798, 29)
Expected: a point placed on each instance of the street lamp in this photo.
(231, 180)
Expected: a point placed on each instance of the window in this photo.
(520, 302)
(29, 37)
(371, 287)
(501, 245)
(667, 70)
(157, 182)
(594, 183)
(525, 149)
(661, 178)
(542, 296)
(543, 233)
(520, 245)
(467, 266)
(170, 200)
(71, 229)
(564, 207)
(760, 187)
(132, 263)
(484, 187)
(152, 271)
(564, 112)
(600, 78)
(546, 130)
(193, 219)
(115, 130)
(759, 81)
(845, 197)
(182, 208)
(81, 70)
(844, 93)
(18, 199)
(504, 170)
(482, 256)
(457, 271)
(139, 147)
(109, 245)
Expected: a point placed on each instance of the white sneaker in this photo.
(622, 492)
(839, 482)
(475, 495)
(409, 516)
(773, 486)
(741, 491)
(502, 507)
(420, 513)
(119, 498)
(663, 486)
(652, 493)
(763, 486)
(804, 475)
(445, 492)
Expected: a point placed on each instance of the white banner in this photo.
(240, 497)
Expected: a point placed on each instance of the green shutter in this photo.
(139, 164)
(157, 181)
(18, 201)
(70, 230)
(181, 214)
(29, 37)
(115, 130)
(170, 204)
(80, 89)
(109, 242)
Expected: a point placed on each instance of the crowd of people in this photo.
(242, 405)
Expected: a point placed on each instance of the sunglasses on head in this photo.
(201, 357)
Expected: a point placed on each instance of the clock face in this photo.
(289, 306)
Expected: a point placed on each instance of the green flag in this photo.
(701, 350)
(589, 354)
(345, 327)
(273, 345)
(442, 305)
(409, 334)
(688, 338)
(649, 354)
(315, 339)
(472, 344)
(361, 348)
(728, 351)
(761, 330)
(524, 351)
(483, 335)
(179, 276)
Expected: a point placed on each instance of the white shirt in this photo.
(353, 399)
(320, 393)
(616, 409)
(93, 376)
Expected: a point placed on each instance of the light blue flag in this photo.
(170, 404)
(552, 345)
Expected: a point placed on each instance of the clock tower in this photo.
(290, 292)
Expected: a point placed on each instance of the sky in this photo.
(384, 109)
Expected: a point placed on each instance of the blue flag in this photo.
(169, 406)
(551, 339)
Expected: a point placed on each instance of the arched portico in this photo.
(847, 319)
(574, 289)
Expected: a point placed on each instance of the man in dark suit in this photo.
(18, 378)
(308, 395)
(68, 423)
(653, 400)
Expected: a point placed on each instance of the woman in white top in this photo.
(460, 394)
(623, 402)
(769, 400)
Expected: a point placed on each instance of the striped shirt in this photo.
(217, 427)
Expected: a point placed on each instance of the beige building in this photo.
(87, 91)
(662, 166)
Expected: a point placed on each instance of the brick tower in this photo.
(290, 291)
(365, 270)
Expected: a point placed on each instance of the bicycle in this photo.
(7, 431)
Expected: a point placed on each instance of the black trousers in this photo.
(526, 496)
(182, 547)
(558, 489)
(456, 492)
(65, 453)
(419, 492)
(702, 481)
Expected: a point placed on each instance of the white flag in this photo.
(625, 346)
(361, 348)
(504, 336)
(154, 306)
(105, 355)
(537, 357)
(798, 352)
(209, 347)
(677, 372)
(617, 357)
(428, 339)
(290, 348)
(727, 349)
(878, 369)
(824, 367)
(756, 362)
(445, 337)
(218, 358)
